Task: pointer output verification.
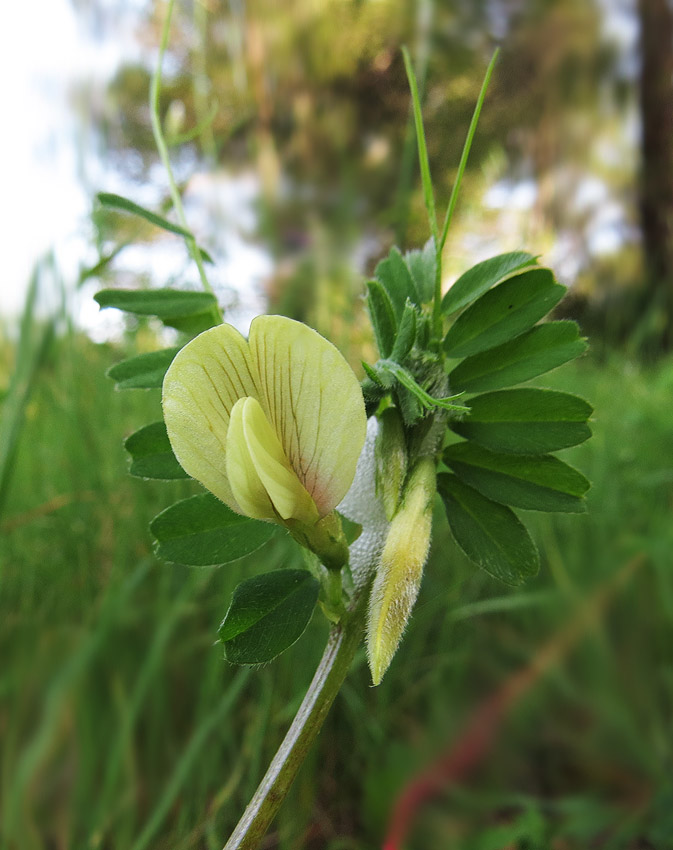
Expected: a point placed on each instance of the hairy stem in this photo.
(342, 644)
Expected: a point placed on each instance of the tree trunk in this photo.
(656, 178)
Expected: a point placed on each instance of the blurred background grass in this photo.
(120, 724)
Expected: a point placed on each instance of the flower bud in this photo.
(391, 460)
(399, 573)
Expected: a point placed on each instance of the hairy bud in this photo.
(391, 460)
(398, 576)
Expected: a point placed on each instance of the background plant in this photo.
(506, 454)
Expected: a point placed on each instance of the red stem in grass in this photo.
(478, 736)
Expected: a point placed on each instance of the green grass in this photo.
(122, 727)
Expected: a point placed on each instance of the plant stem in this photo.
(162, 147)
(466, 150)
(342, 644)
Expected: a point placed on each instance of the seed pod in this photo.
(398, 576)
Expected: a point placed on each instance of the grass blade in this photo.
(466, 150)
(422, 147)
(189, 756)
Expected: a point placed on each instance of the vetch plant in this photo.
(285, 439)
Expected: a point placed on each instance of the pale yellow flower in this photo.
(272, 425)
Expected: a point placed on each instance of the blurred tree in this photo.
(313, 98)
(656, 177)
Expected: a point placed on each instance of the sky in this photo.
(44, 204)
(45, 49)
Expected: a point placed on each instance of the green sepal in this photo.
(526, 421)
(406, 335)
(383, 317)
(152, 455)
(490, 534)
(423, 268)
(391, 460)
(503, 313)
(535, 352)
(396, 278)
(268, 613)
(144, 371)
(202, 531)
(537, 483)
(480, 278)
(404, 377)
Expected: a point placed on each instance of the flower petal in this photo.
(244, 480)
(314, 403)
(281, 484)
(202, 385)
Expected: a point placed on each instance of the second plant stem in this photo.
(342, 644)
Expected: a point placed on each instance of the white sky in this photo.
(41, 52)
(44, 49)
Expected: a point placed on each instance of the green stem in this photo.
(466, 152)
(342, 644)
(162, 147)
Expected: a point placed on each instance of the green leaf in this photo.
(423, 268)
(480, 278)
(396, 278)
(268, 613)
(202, 531)
(195, 323)
(526, 421)
(383, 317)
(117, 202)
(504, 313)
(491, 535)
(152, 455)
(167, 304)
(541, 483)
(406, 335)
(535, 352)
(143, 371)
